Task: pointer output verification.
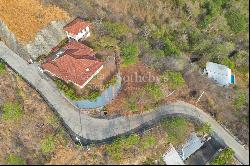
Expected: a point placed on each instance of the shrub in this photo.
(129, 53)
(225, 157)
(107, 42)
(148, 142)
(172, 79)
(228, 62)
(236, 21)
(154, 91)
(240, 100)
(131, 103)
(194, 37)
(205, 129)
(15, 160)
(130, 141)
(70, 92)
(110, 82)
(177, 129)
(116, 29)
(47, 144)
(115, 149)
(11, 111)
(2, 67)
(169, 48)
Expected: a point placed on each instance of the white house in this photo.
(77, 29)
(220, 73)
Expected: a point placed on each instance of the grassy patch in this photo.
(129, 53)
(116, 29)
(148, 141)
(177, 129)
(11, 111)
(172, 79)
(2, 67)
(228, 62)
(115, 149)
(47, 145)
(240, 100)
(15, 160)
(236, 21)
(154, 91)
(225, 157)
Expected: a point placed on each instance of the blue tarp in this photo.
(232, 79)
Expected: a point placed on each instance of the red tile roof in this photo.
(76, 26)
(74, 64)
(80, 49)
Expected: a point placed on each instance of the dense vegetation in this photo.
(225, 157)
(70, 91)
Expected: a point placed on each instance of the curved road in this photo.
(91, 129)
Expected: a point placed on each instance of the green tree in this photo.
(129, 53)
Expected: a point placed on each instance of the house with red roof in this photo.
(75, 63)
(77, 29)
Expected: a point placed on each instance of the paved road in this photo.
(97, 130)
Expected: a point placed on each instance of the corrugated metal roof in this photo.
(171, 157)
(192, 145)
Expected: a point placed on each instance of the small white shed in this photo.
(220, 73)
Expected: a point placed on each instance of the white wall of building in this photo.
(83, 34)
(220, 73)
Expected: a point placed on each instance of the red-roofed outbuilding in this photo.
(77, 29)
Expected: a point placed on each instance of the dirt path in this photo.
(98, 130)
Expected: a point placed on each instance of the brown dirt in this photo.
(25, 18)
(131, 82)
